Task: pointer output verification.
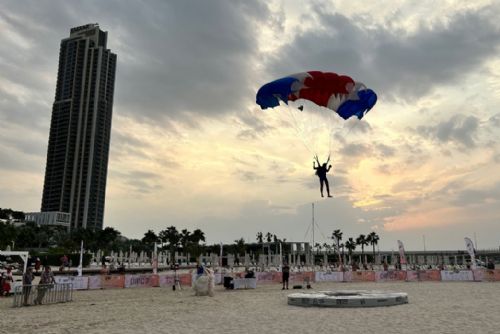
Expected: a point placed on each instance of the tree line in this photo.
(58, 240)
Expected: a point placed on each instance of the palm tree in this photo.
(260, 237)
(269, 237)
(185, 238)
(172, 236)
(195, 238)
(362, 241)
(373, 239)
(337, 237)
(350, 244)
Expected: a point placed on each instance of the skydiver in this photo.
(321, 171)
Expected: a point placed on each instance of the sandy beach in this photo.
(434, 307)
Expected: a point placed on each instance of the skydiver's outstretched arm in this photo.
(328, 160)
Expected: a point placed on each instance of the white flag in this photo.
(80, 265)
(470, 248)
(401, 252)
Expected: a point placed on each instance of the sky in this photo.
(190, 147)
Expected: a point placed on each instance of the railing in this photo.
(25, 295)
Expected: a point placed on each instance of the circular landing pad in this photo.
(348, 298)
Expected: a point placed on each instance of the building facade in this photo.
(62, 219)
(78, 149)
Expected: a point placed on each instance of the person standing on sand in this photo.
(27, 280)
(286, 275)
(46, 278)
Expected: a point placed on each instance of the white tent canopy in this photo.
(24, 256)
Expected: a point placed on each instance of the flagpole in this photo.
(80, 266)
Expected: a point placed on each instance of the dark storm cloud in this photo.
(396, 64)
(173, 56)
(459, 129)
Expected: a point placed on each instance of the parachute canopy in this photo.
(327, 89)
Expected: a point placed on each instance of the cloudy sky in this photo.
(191, 148)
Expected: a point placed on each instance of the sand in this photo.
(434, 307)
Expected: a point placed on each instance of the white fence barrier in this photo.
(26, 295)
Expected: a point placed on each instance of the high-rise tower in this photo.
(78, 150)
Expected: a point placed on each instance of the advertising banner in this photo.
(335, 276)
(402, 255)
(429, 275)
(470, 249)
(459, 275)
(79, 282)
(112, 281)
(302, 277)
(169, 280)
(95, 282)
(388, 276)
(489, 275)
(363, 276)
(269, 277)
(412, 276)
(141, 281)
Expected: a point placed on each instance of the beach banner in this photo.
(412, 276)
(459, 275)
(402, 257)
(79, 282)
(169, 280)
(302, 276)
(429, 275)
(470, 248)
(347, 276)
(487, 275)
(392, 275)
(140, 281)
(95, 282)
(112, 281)
(362, 276)
(335, 276)
(268, 277)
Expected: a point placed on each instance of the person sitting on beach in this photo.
(321, 171)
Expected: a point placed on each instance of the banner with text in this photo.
(388, 276)
(459, 275)
(334, 276)
(112, 281)
(79, 282)
(141, 281)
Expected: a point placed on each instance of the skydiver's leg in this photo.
(327, 187)
(321, 186)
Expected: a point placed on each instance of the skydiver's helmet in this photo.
(324, 165)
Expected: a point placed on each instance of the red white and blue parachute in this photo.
(327, 89)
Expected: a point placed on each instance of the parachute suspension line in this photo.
(297, 129)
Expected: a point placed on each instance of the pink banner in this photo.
(489, 275)
(362, 276)
(268, 277)
(141, 281)
(412, 276)
(392, 275)
(301, 277)
(429, 275)
(112, 281)
(169, 280)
